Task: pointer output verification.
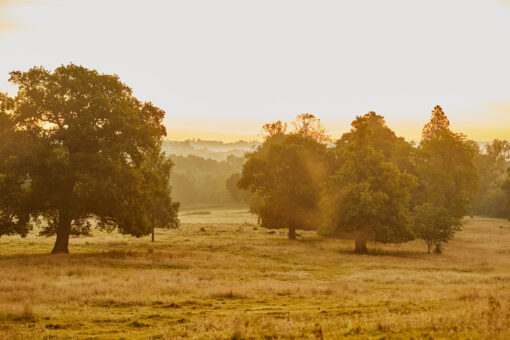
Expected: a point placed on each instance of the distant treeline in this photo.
(205, 176)
(216, 150)
(198, 181)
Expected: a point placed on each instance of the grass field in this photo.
(218, 277)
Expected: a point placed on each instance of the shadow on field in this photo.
(127, 259)
(387, 252)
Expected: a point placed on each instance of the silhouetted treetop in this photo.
(305, 124)
(275, 128)
(438, 123)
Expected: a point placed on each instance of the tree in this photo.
(492, 165)
(445, 167)
(162, 212)
(367, 198)
(506, 190)
(434, 225)
(85, 146)
(285, 175)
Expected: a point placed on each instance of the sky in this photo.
(221, 69)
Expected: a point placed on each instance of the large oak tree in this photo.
(76, 146)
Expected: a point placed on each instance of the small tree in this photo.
(78, 147)
(367, 197)
(434, 225)
(162, 212)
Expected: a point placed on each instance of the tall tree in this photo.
(367, 197)
(86, 145)
(445, 165)
(285, 174)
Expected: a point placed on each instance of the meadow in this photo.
(220, 276)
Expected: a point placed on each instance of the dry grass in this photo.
(231, 281)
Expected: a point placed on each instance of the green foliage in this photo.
(367, 197)
(434, 225)
(394, 149)
(237, 194)
(161, 211)
(285, 174)
(14, 190)
(86, 146)
(506, 190)
(491, 199)
(445, 167)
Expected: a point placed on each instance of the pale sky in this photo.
(221, 69)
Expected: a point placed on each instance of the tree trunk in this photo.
(153, 234)
(438, 249)
(360, 245)
(292, 233)
(429, 246)
(63, 230)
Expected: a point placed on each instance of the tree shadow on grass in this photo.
(412, 254)
(107, 258)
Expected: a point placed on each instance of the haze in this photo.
(221, 69)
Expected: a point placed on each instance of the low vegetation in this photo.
(221, 276)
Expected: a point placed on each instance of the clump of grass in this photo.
(138, 324)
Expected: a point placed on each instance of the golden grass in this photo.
(231, 281)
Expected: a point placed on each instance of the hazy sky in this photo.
(227, 67)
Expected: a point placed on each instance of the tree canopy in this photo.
(445, 166)
(367, 197)
(85, 145)
(285, 174)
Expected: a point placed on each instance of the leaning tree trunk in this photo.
(63, 230)
(360, 245)
(292, 233)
